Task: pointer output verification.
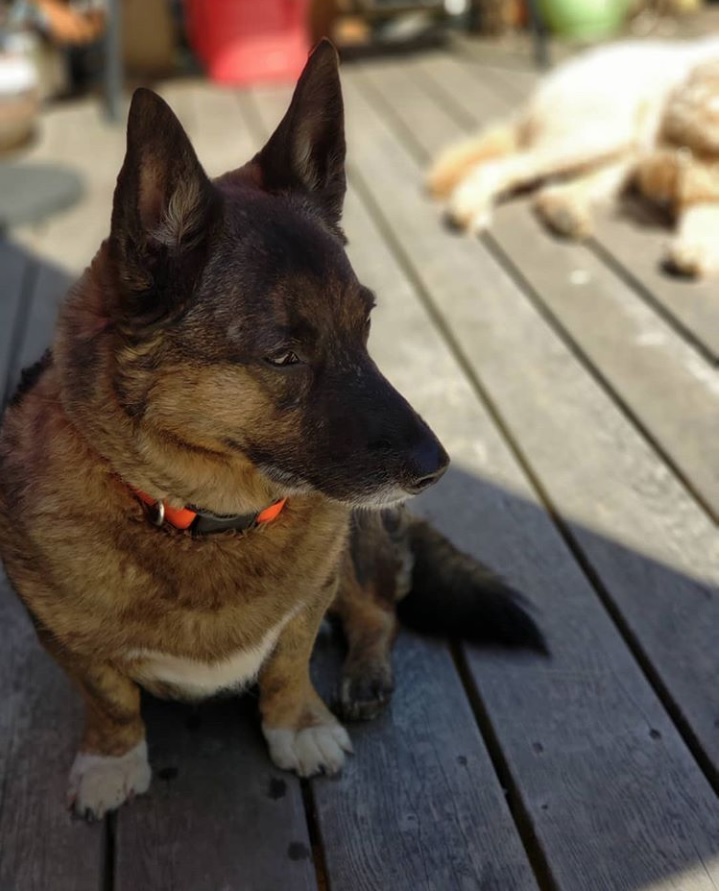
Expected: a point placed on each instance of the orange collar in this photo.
(202, 522)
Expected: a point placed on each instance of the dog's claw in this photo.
(364, 698)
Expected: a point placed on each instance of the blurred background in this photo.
(53, 49)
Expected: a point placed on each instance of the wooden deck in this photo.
(575, 387)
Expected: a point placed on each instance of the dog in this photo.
(640, 114)
(208, 460)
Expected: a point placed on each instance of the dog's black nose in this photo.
(427, 462)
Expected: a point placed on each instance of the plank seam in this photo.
(315, 836)
(514, 800)
(567, 535)
(608, 258)
(108, 854)
(251, 116)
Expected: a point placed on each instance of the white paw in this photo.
(563, 214)
(309, 751)
(471, 203)
(100, 783)
(698, 259)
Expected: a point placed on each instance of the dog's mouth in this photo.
(356, 461)
(375, 494)
(386, 498)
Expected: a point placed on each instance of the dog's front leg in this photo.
(301, 732)
(112, 763)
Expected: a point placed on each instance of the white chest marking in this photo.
(197, 679)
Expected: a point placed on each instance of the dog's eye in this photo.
(282, 359)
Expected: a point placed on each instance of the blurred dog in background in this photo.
(635, 115)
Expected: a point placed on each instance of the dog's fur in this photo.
(214, 354)
(632, 114)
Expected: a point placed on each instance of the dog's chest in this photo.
(197, 679)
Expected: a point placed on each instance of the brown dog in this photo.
(179, 474)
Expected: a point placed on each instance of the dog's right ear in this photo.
(163, 201)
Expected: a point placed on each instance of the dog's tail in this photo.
(456, 161)
(453, 595)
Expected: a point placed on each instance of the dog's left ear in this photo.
(306, 153)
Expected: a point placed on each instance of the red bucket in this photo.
(250, 41)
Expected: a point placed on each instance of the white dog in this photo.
(640, 114)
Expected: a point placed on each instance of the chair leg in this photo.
(113, 66)
(538, 34)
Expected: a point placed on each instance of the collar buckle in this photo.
(157, 513)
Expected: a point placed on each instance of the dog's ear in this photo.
(163, 200)
(306, 153)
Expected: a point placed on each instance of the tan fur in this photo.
(640, 114)
(455, 162)
(103, 584)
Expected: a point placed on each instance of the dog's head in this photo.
(240, 326)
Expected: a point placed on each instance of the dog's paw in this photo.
(471, 205)
(101, 783)
(563, 214)
(309, 751)
(364, 697)
(692, 258)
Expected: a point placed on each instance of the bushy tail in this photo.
(453, 595)
(456, 161)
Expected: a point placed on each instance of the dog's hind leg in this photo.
(456, 161)
(369, 625)
(567, 207)
(471, 204)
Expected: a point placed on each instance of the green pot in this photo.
(584, 19)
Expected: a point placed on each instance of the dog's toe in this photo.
(364, 698)
(691, 259)
(309, 751)
(101, 783)
(470, 206)
(563, 215)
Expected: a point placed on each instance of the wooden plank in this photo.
(633, 249)
(14, 277)
(651, 547)
(40, 726)
(664, 383)
(77, 137)
(222, 135)
(219, 816)
(41, 715)
(49, 288)
(488, 507)
(591, 684)
(224, 819)
(419, 806)
(413, 811)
